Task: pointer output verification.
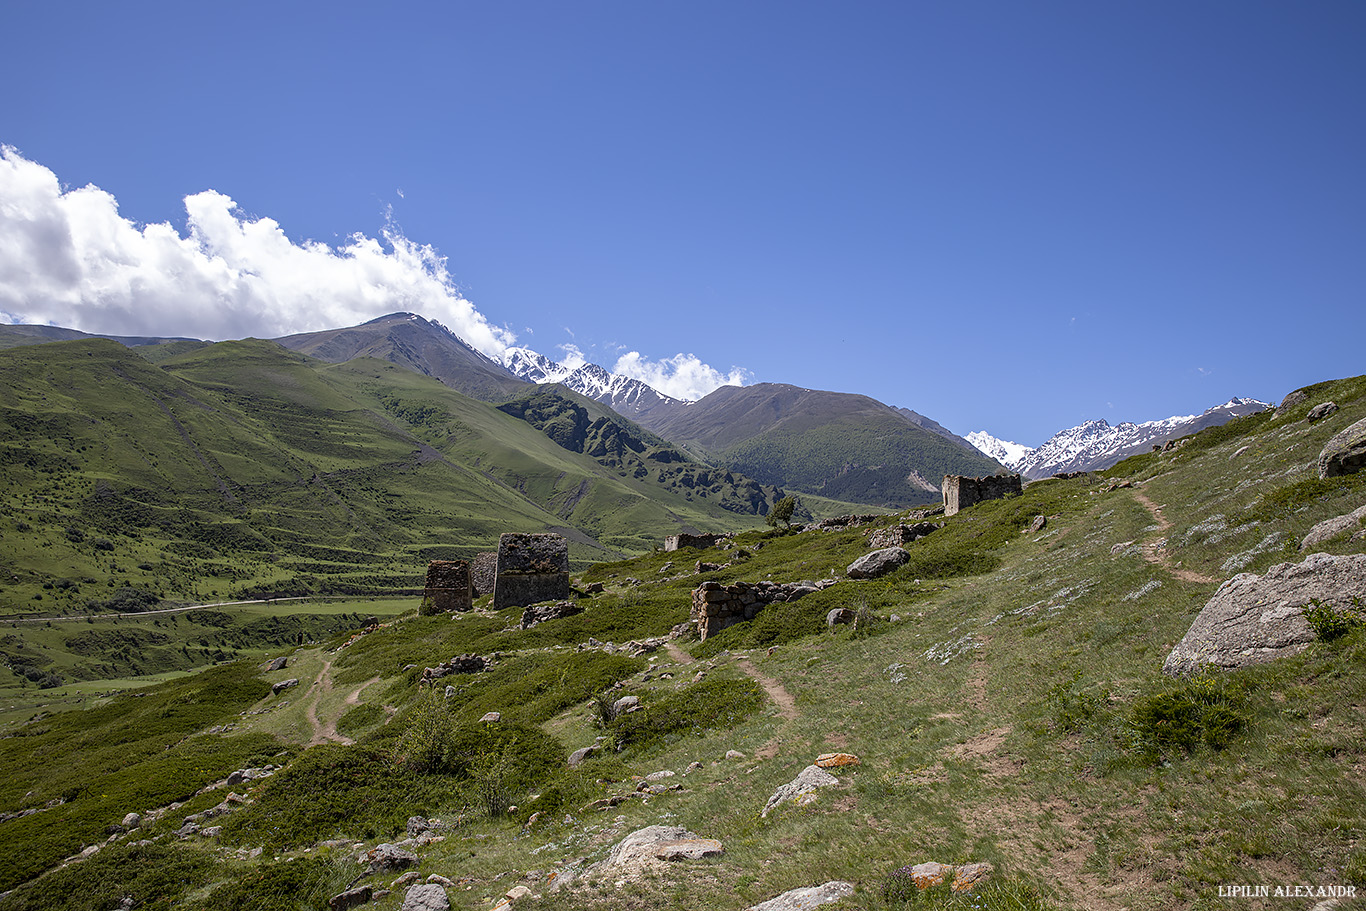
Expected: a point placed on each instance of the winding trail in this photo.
(326, 731)
(1152, 550)
(785, 701)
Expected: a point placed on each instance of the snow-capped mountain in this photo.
(1003, 451)
(624, 395)
(1095, 445)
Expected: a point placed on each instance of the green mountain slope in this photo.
(847, 447)
(1002, 692)
(243, 468)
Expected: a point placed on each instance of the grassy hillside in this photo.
(1002, 690)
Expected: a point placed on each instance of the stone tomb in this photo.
(961, 492)
(531, 569)
(682, 540)
(448, 587)
(483, 572)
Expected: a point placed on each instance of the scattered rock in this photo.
(900, 534)
(460, 664)
(132, 821)
(1322, 410)
(930, 874)
(417, 825)
(278, 664)
(970, 876)
(351, 898)
(806, 782)
(734, 754)
(657, 843)
(1290, 401)
(426, 897)
(492, 717)
(283, 685)
(878, 563)
(625, 704)
(387, 858)
(810, 897)
(439, 880)
(1345, 453)
(594, 588)
(1329, 529)
(407, 879)
(836, 760)
(838, 616)
(1252, 619)
(660, 775)
(1239, 451)
(540, 613)
(578, 756)
(1039, 523)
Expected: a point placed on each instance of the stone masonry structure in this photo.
(483, 572)
(448, 587)
(716, 606)
(531, 569)
(702, 542)
(961, 492)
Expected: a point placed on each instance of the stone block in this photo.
(448, 587)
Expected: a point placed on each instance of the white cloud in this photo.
(573, 358)
(682, 376)
(68, 258)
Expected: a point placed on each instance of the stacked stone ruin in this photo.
(448, 587)
(540, 613)
(701, 542)
(897, 535)
(460, 664)
(531, 568)
(961, 492)
(716, 606)
(483, 573)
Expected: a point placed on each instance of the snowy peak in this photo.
(1003, 451)
(622, 394)
(1095, 445)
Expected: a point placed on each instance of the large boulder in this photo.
(1252, 619)
(426, 897)
(807, 781)
(653, 844)
(805, 899)
(877, 563)
(1345, 453)
(1329, 529)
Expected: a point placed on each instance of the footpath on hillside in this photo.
(1153, 551)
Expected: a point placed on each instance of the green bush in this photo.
(1204, 710)
(712, 703)
(1329, 624)
(156, 876)
(296, 883)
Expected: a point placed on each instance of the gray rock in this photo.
(491, 717)
(417, 825)
(804, 899)
(877, 563)
(658, 843)
(387, 858)
(132, 821)
(1039, 523)
(578, 756)
(1322, 410)
(807, 780)
(283, 685)
(1329, 529)
(1290, 401)
(1345, 453)
(278, 664)
(1252, 619)
(426, 897)
(625, 704)
(351, 899)
(838, 616)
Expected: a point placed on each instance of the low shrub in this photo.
(712, 703)
(1207, 709)
(155, 876)
(1328, 623)
(298, 882)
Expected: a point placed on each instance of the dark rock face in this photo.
(448, 587)
(961, 492)
(531, 569)
(1345, 453)
(1252, 619)
(878, 563)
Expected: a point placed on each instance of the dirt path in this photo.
(785, 701)
(326, 731)
(1152, 551)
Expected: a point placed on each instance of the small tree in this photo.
(782, 512)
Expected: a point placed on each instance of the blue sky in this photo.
(1007, 216)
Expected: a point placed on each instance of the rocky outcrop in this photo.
(805, 899)
(540, 613)
(448, 588)
(1329, 529)
(1345, 453)
(351, 898)
(878, 563)
(652, 844)
(1252, 619)
(1322, 410)
(460, 664)
(426, 897)
(961, 492)
(531, 569)
(716, 606)
(278, 688)
(1290, 401)
(807, 781)
(389, 858)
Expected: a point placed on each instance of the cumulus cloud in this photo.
(68, 258)
(682, 376)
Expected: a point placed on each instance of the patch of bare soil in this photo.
(326, 731)
(1152, 550)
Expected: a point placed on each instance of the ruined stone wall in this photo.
(702, 542)
(897, 535)
(483, 572)
(448, 587)
(531, 568)
(961, 492)
(716, 606)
